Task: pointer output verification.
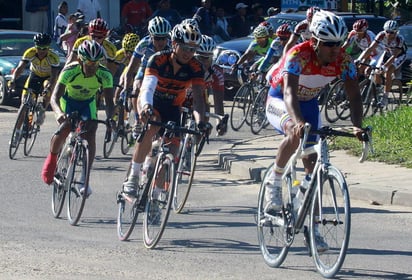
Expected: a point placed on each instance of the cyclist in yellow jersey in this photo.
(44, 69)
(76, 90)
(98, 31)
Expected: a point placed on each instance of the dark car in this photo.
(13, 43)
(406, 31)
(227, 53)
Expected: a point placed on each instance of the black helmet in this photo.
(42, 39)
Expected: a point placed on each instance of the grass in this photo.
(392, 138)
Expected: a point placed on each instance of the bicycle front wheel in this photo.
(271, 231)
(330, 218)
(185, 172)
(79, 178)
(31, 130)
(159, 202)
(240, 106)
(58, 190)
(258, 111)
(108, 145)
(15, 136)
(128, 211)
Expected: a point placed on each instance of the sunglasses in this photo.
(42, 48)
(160, 38)
(203, 57)
(390, 32)
(186, 48)
(332, 44)
(97, 37)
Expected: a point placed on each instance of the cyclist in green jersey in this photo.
(76, 90)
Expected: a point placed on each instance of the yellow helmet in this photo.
(130, 41)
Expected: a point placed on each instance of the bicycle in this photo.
(189, 150)
(72, 171)
(27, 120)
(258, 119)
(155, 202)
(121, 128)
(326, 200)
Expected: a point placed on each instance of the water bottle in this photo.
(300, 194)
(30, 118)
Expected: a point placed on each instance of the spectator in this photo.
(38, 19)
(60, 23)
(240, 25)
(204, 17)
(91, 9)
(136, 13)
(222, 28)
(272, 11)
(257, 16)
(164, 10)
(76, 22)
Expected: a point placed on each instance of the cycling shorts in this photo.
(87, 108)
(35, 83)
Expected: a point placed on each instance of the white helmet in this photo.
(159, 26)
(390, 25)
(207, 45)
(326, 26)
(186, 33)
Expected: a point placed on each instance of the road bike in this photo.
(27, 123)
(326, 203)
(258, 119)
(155, 195)
(189, 151)
(72, 172)
(121, 127)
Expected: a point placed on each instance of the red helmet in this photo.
(267, 25)
(284, 31)
(98, 26)
(310, 12)
(360, 25)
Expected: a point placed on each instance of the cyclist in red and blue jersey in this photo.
(292, 98)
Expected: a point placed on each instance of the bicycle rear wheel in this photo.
(159, 202)
(31, 130)
(271, 231)
(258, 111)
(109, 145)
(79, 178)
(14, 142)
(240, 106)
(336, 97)
(128, 211)
(367, 89)
(331, 215)
(184, 174)
(59, 191)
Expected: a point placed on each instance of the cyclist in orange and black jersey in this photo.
(167, 76)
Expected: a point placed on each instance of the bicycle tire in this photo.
(343, 107)
(79, 177)
(13, 150)
(109, 145)
(184, 173)
(258, 118)
(393, 102)
(157, 210)
(59, 181)
(128, 211)
(334, 97)
(31, 132)
(272, 245)
(240, 106)
(335, 222)
(367, 92)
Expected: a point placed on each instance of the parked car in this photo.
(406, 31)
(227, 53)
(13, 43)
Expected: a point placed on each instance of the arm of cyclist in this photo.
(355, 100)
(366, 53)
(16, 74)
(58, 92)
(199, 106)
(291, 83)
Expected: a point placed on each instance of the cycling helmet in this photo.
(360, 25)
(326, 26)
(159, 26)
(390, 25)
(310, 12)
(260, 32)
(98, 26)
(191, 21)
(186, 33)
(90, 50)
(268, 26)
(130, 41)
(283, 30)
(207, 45)
(42, 39)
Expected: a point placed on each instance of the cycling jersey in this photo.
(171, 87)
(109, 48)
(80, 88)
(41, 67)
(258, 50)
(302, 30)
(356, 44)
(143, 51)
(275, 50)
(121, 58)
(397, 43)
(302, 61)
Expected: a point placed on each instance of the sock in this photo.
(135, 169)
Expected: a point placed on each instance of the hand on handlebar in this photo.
(146, 113)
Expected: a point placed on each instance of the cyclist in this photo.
(292, 97)
(167, 76)
(157, 40)
(359, 39)
(259, 46)
(395, 54)
(301, 30)
(276, 48)
(98, 31)
(44, 70)
(214, 78)
(76, 90)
